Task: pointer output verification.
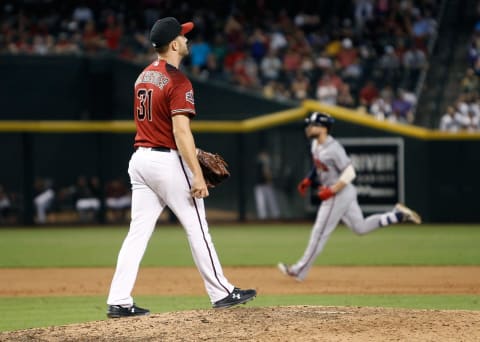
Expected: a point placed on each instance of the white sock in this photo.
(388, 219)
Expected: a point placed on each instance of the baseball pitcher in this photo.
(165, 171)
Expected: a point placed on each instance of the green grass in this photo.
(34, 312)
(236, 245)
(244, 245)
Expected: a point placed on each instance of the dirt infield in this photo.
(268, 280)
(293, 323)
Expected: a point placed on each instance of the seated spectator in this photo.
(212, 69)
(282, 93)
(451, 120)
(245, 73)
(117, 199)
(334, 46)
(269, 89)
(233, 30)
(423, 27)
(113, 33)
(474, 48)
(258, 42)
(461, 105)
(363, 13)
(270, 66)
(352, 72)
(307, 65)
(43, 199)
(402, 108)
(65, 46)
(368, 94)
(300, 86)
(219, 48)
(82, 14)
(335, 79)
(42, 45)
(470, 82)
(291, 62)
(91, 40)
(381, 109)
(231, 59)
(470, 122)
(323, 61)
(389, 65)
(347, 55)
(326, 91)
(277, 39)
(275, 90)
(409, 96)
(199, 51)
(345, 97)
(21, 45)
(414, 60)
(387, 93)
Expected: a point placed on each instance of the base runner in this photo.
(335, 172)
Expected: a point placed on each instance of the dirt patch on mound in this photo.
(292, 323)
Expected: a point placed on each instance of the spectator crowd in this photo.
(464, 114)
(353, 53)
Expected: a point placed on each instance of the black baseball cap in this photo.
(167, 29)
(320, 119)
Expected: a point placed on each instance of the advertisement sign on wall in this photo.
(379, 164)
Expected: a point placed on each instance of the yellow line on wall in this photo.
(240, 126)
(365, 119)
(128, 126)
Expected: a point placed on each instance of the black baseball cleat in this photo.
(237, 296)
(117, 311)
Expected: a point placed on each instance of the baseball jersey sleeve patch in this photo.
(189, 97)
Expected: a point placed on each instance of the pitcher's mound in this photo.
(288, 323)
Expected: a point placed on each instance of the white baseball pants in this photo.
(343, 206)
(162, 179)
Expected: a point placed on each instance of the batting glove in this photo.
(324, 192)
(303, 186)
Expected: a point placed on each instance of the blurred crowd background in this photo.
(353, 53)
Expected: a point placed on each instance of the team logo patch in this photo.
(189, 97)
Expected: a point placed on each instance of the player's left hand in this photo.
(325, 192)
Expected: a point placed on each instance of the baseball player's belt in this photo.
(158, 148)
(161, 149)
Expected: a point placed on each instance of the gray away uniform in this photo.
(330, 160)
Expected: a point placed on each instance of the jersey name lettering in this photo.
(153, 77)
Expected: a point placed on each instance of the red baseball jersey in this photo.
(161, 91)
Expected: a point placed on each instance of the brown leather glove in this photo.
(214, 167)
